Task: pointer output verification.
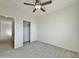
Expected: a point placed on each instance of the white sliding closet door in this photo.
(5, 29)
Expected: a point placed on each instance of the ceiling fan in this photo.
(38, 5)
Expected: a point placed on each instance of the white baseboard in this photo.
(58, 46)
(32, 40)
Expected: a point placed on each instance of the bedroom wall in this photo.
(61, 28)
(19, 16)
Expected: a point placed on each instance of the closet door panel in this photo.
(6, 31)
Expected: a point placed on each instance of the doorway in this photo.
(6, 33)
(26, 31)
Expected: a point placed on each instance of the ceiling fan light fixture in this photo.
(38, 6)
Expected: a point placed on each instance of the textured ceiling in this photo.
(57, 4)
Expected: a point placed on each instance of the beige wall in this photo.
(19, 16)
(61, 28)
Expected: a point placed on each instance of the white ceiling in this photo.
(57, 4)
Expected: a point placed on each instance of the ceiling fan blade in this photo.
(42, 9)
(46, 3)
(29, 4)
(37, 1)
(34, 10)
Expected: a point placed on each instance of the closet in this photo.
(26, 31)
